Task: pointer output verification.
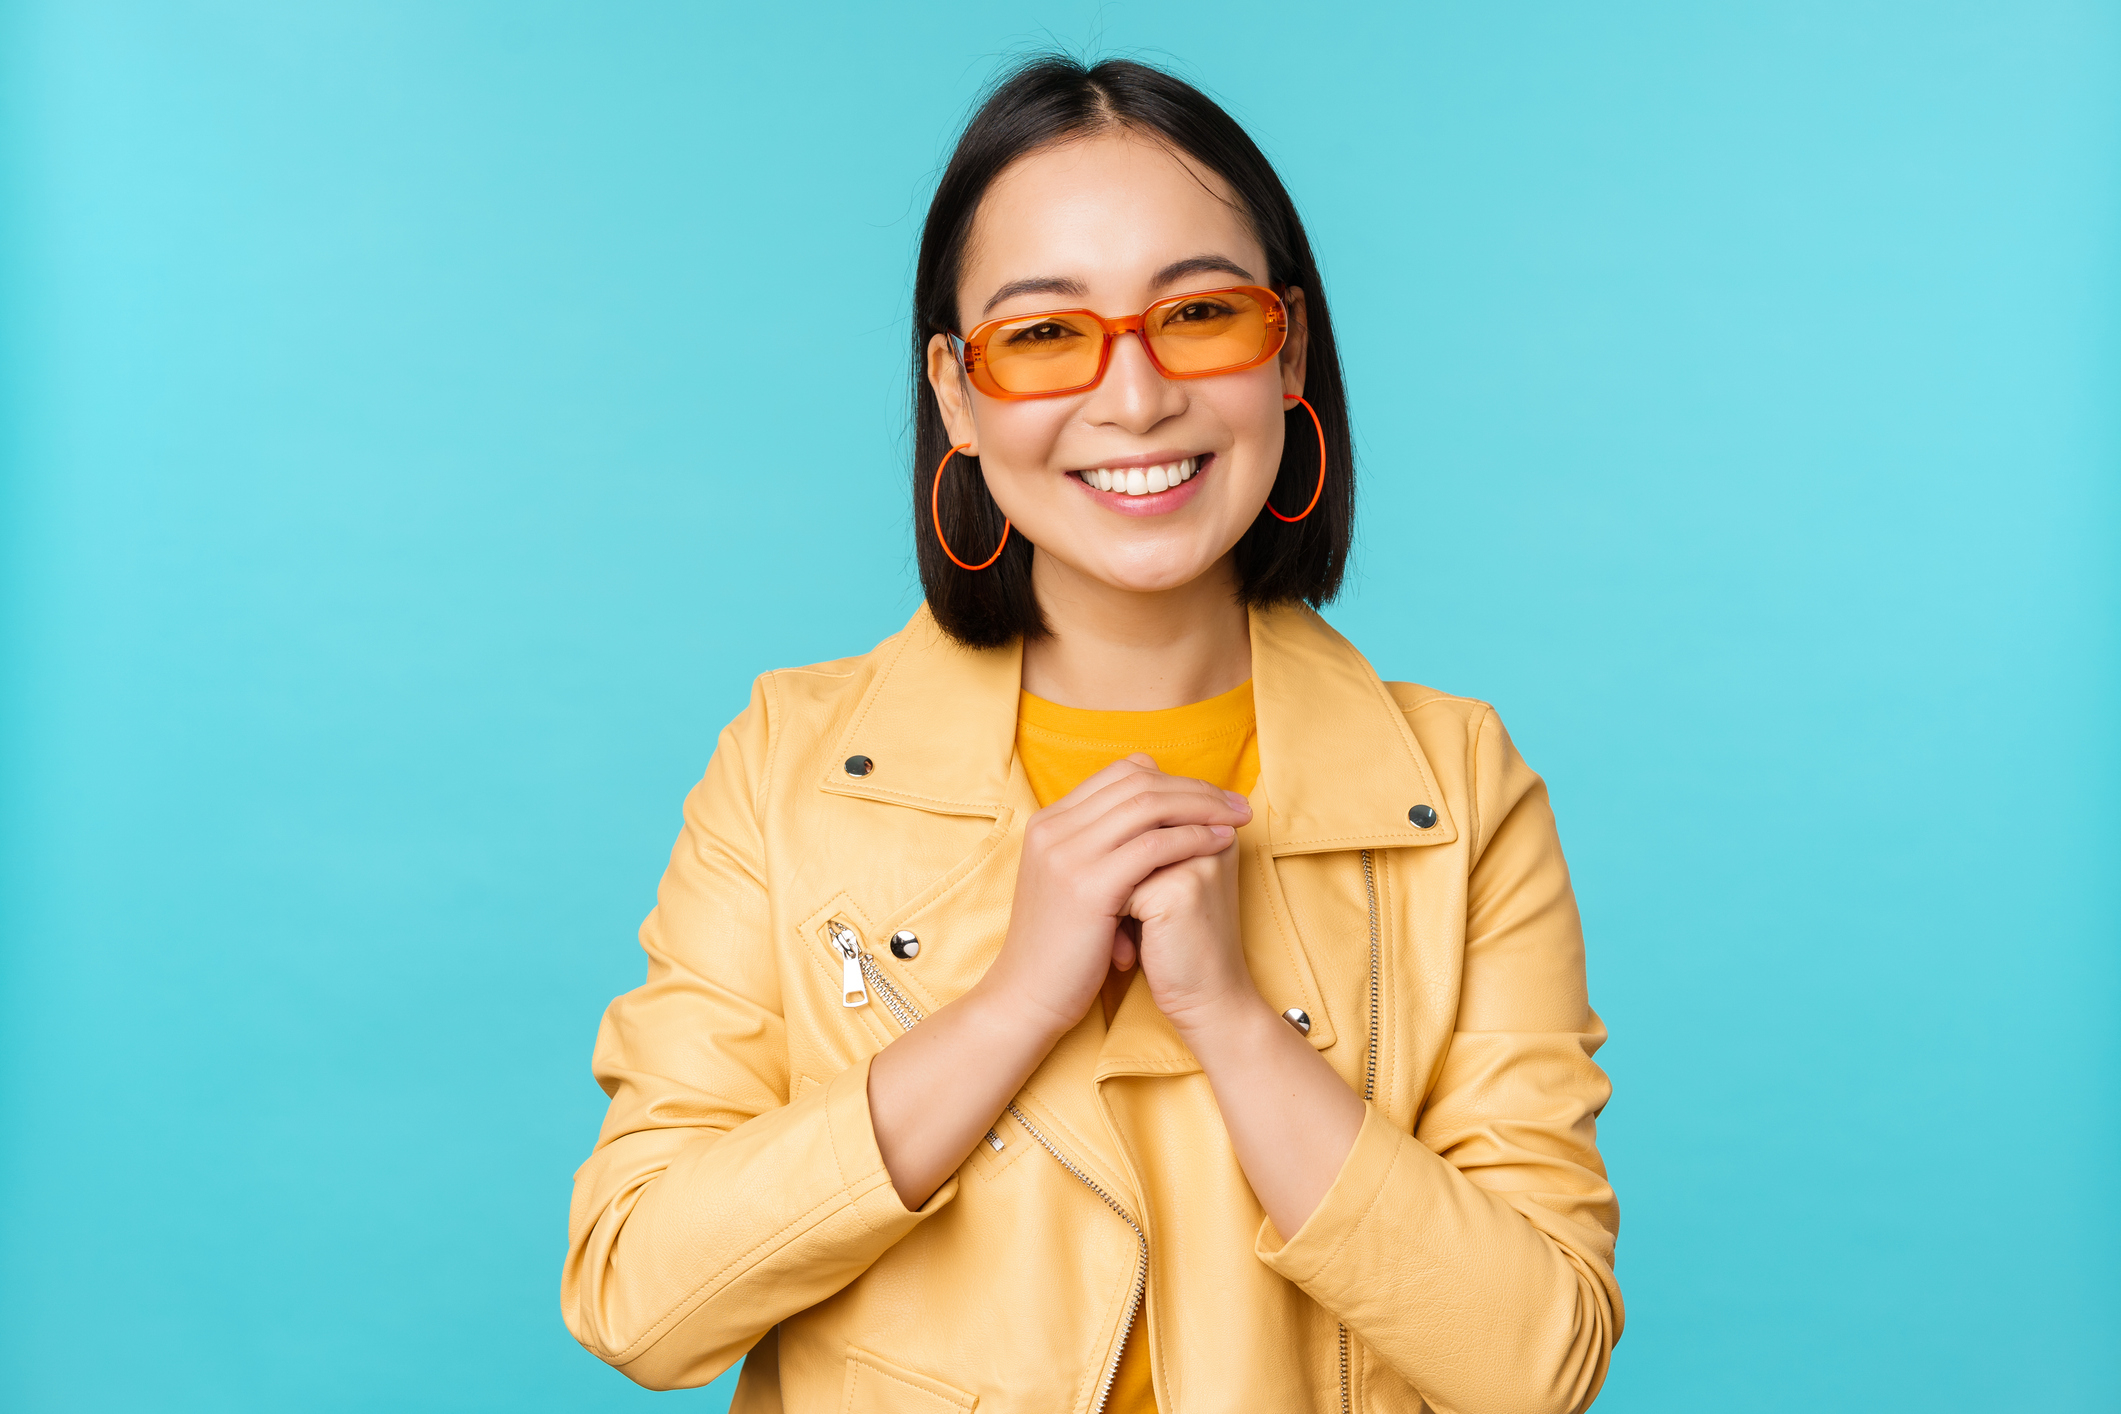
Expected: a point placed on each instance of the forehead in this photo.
(1107, 212)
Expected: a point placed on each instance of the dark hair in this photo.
(1050, 99)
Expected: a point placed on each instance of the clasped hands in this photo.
(1130, 843)
(1130, 848)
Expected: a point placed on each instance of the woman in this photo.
(1107, 994)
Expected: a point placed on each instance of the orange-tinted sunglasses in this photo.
(1060, 351)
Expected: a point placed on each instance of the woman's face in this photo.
(1113, 224)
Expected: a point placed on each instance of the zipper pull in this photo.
(853, 990)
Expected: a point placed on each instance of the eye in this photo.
(1200, 311)
(1045, 332)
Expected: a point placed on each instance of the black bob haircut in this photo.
(1052, 99)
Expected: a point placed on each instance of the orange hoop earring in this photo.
(1321, 490)
(935, 509)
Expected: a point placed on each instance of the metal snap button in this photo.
(1297, 1017)
(859, 765)
(904, 944)
(1423, 816)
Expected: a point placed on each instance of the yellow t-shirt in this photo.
(1061, 747)
(1213, 741)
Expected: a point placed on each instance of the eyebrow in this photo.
(1036, 285)
(1199, 265)
(1075, 289)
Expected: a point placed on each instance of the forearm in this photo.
(1405, 1245)
(935, 1091)
(1291, 1119)
(686, 1243)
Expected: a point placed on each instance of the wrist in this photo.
(1229, 1016)
(1012, 1015)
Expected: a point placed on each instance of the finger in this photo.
(1130, 765)
(1143, 855)
(1139, 806)
(1178, 882)
(1124, 779)
(1095, 824)
(1122, 789)
(1124, 949)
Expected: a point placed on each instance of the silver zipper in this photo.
(861, 969)
(1369, 1083)
(1141, 1258)
(849, 947)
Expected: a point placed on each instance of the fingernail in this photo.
(1221, 832)
(1236, 800)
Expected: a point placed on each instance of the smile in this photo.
(1141, 480)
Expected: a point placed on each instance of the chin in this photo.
(1157, 575)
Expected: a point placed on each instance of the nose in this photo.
(1133, 395)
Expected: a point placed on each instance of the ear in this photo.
(952, 394)
(1297, 347)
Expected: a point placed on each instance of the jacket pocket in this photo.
(876, 1386)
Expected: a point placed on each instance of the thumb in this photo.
(1125, 950)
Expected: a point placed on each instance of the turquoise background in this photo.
(408, 465)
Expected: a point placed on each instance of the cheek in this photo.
(1253, 413)
(1018, 439)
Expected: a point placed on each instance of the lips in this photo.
(1134, 489)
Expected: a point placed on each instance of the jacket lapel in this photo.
(1339, 764)
(938, 725)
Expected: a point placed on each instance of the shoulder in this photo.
(1471, 751)
(1476, 762)
(795, 712)
(1442, 719)
(817, 698)
(817, 691)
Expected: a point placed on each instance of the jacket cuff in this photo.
(1339, 1216)
(862, 1171)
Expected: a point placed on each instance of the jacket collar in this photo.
(1339, 766)
(938, 724)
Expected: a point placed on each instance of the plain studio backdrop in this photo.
(422, 421)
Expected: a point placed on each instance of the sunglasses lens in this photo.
(1208, 333)
(1045, 354)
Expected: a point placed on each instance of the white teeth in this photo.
(1142, 481)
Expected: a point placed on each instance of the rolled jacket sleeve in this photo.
(1475, 1254)
(713, 1207)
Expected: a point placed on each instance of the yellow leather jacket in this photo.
(736, 1201)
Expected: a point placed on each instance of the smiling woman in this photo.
(1126, 195)
(1108, 994)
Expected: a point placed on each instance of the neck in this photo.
(1118, 650)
